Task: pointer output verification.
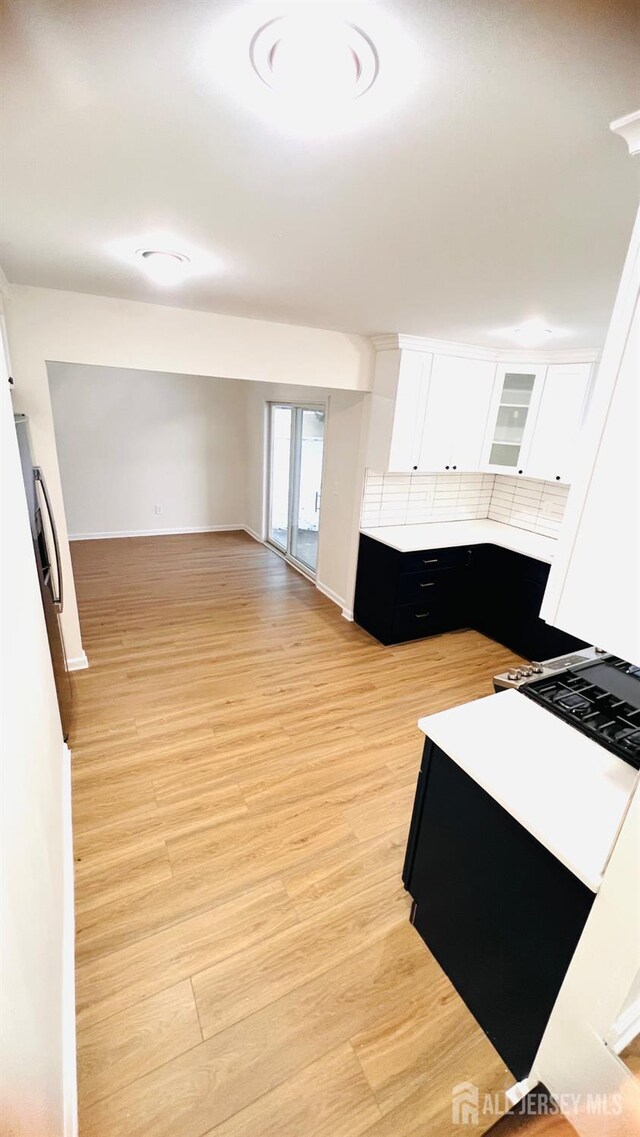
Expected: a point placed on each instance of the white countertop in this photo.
(446, 534)
(566, 790)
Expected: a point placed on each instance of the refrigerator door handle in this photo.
(39, 476)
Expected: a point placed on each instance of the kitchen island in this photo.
(515, 817)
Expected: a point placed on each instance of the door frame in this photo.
(295, 453)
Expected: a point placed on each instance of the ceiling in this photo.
(476, 185)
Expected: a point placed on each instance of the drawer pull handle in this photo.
(433, 561)
(427, 584)
(422, 615)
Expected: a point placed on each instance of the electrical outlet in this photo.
(158, 509)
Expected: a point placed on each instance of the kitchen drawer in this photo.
(426, 587)
(496, 591)
(412, 621)
(430, 559)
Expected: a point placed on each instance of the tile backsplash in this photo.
(407, 499)
(528, 504)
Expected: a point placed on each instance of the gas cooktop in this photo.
(601, 699)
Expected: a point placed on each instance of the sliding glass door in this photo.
(280, 479)
(295, 481)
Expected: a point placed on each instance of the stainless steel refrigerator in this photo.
(45, 540)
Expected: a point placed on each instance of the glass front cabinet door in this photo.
(512, 417)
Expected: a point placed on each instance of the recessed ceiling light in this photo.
(303, 66)
(533, 333)
(154, 253)
(164, 267)
(313, 58)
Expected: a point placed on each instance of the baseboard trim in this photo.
(330, 594)
(519, 1090)
(156, 532)
(78, 662)
(252, 533)
(347, 614)
(298, 568)
(69, 1058)
(625, 1029)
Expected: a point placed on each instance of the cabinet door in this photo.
(557, 426)
(376, 584)
(540, 640)
(457, 408)
(488, 590)
(437, 436)
(513, 414)
(500, 914)
(474, 389)
(409, 412)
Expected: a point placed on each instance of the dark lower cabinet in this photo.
(508, 589)
(500, 913)
(405, 596)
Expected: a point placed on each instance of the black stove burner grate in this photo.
(597, 708)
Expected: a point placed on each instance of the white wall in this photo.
(80, 328)
(130, 440)
(36, 899)
(50, 325)
(347, 416)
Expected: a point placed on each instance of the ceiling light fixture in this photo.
(164, 267)
(152, 253)
(533, 333)
(304, 67)
(316, 59)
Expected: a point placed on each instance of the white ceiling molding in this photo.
(628, 128)
(393, 342)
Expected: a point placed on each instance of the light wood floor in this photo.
(244, 766)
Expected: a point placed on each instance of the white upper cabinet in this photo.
(398, 405)
(433, 411)
(411, 399)
(552, 453)
(458, 402)
(512, 417)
